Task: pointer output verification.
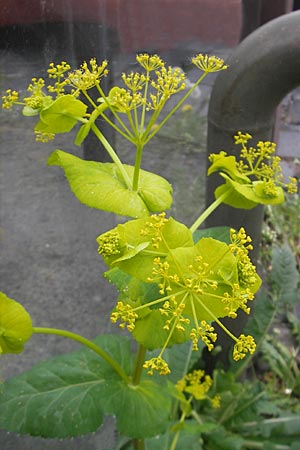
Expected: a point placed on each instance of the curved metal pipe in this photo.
(263, 69)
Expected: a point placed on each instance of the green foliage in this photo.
(61, 115)
(67, 396)
(101, 186)
(15, 325)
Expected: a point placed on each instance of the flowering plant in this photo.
(175, 282)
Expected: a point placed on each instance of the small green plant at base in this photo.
(175, 283)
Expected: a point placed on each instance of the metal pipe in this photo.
(263, 69)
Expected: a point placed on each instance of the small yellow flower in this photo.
(57, 71)
(205, 332)
(87, 77)
(41, 136)
(244, 345)
(196, 383)
(209, 63)
(109, 244)
(9, 99)
(158, 364)
(150, 62)
(134, 81)
(186, 108)
(126, 314)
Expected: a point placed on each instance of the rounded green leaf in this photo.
(101, 186)
(15, 325)
(138, 250)
(227, 164)
(62, 115)
(247, 196)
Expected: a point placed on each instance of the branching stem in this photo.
(87, 343)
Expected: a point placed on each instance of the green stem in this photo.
(117, 117)
(117, 129)
(138, 368)
(142, 124)
(176, 107)
(138, 444)
(137, 166)
(112, 154)
(209, 210)
(87, 343)
(215, 319)
(181, 420)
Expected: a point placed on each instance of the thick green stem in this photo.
(117, 117)
(138, 444)
(208, 211)
(138, 368)
(112, 154)
(87, 343)
(137, 166)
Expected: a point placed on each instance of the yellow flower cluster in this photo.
(126, 314)
(87, 77)
(197, 384)
(153, 228)
(244, 345)
(174, 311)
(57, 71)
(125, 101)
(209, 63)
(41, 136)
(134, 81)
(9, 99)
(263, 164)
(205, 332)
(240, 246)
(169, 81)
(157, 364)
(149, 62)
(238, 299)
(109, 244)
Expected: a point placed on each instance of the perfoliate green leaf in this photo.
(137, 246)
(247, 196)
(15, 325)
(62, 115)
(101, 186)
(149, 331)
(27, 111)
(216, 255)
(220, 233)
(227, 164)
